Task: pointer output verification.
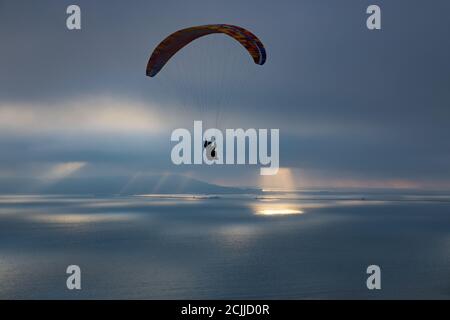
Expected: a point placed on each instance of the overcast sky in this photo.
(354, 107)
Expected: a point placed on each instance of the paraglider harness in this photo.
(210, 147)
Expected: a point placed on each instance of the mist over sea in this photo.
(296, 245)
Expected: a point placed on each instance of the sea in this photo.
(274, 245)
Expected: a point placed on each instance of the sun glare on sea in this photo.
(277, 211)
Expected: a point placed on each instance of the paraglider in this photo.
(178, 40)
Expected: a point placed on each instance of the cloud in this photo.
(92, 114)
(63, 170)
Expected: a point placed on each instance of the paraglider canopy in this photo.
(179, 39)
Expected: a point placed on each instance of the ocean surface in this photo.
(307, 245)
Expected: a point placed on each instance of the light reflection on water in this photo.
(276, 208)
(74, 218)
(278, 212)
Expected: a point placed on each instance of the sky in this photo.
(355, 108)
